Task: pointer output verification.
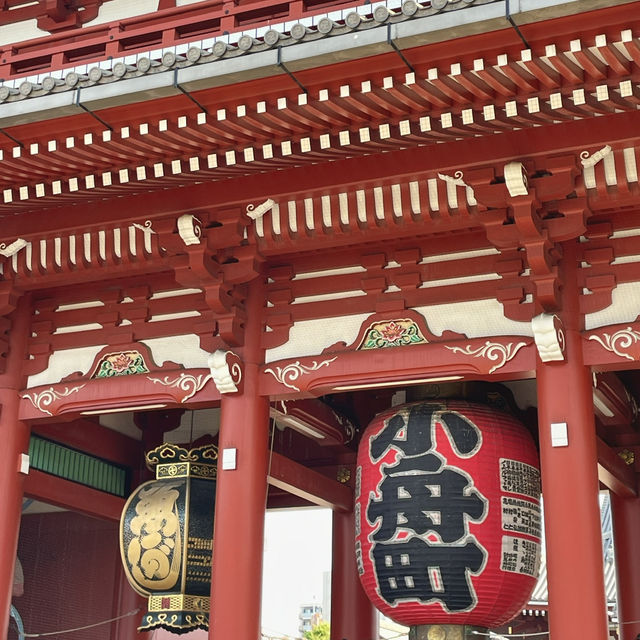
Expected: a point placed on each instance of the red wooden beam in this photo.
(94, 439)
(117, 393)
(433, 362)
(308, 484)
(71, 495)
(614, 474)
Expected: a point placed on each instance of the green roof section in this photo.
(58, 460)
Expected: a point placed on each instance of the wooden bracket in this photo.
(542, 210)
(208, 251)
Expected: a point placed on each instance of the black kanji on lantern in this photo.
(422, 549)
(416, 435)
(417, 570)
(439, 501)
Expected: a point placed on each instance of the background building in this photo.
(310, 616)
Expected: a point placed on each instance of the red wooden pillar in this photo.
(626, 527)
(14, 436)
(577, 606)
(353, 617)
(241, 494)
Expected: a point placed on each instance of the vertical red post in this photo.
(14, 436)
(626, 525)
(241, 494)
(125, 601)
(577, 606)
(353, 617)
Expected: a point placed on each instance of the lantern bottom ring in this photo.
(176, 613)
(447, 632)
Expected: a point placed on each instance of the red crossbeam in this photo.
(71, 495)
(308, 484)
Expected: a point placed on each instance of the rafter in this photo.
(618, 130)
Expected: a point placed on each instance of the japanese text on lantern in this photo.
(422, 548)
(520, 516)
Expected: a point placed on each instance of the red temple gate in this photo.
(295, 211)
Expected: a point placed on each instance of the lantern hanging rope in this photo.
(18, 622)
(498, 636)
(88, 626)
(532, 635)
(272, 437)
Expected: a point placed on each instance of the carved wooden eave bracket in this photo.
(226, 371)
(598, 278)
(548, 333)
(599, 182)
(59, 16)
(9, 250)
(531, 206)
(9, 295)
(212, 251)
(8, 292)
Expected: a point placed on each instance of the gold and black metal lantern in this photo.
(166, 537)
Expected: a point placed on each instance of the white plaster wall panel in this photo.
(184, 350)
(310, 337)
(475, 319)
(19, 31)
(121, 9)
(625, 307)
(64, 363)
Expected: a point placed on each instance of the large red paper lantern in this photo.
(448, 514)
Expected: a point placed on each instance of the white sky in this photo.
(297, 551)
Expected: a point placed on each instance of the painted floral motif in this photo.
(393, 333)
(126, 363)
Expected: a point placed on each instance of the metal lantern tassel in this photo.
(166, 538)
